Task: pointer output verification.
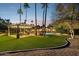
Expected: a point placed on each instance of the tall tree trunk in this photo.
(43, 21)
(45, 17)
(26, 15)
(20, 22)
(18, 35)
(35, 19)
(20, 19)
(25, 20)
(20, 14)
(18, 29)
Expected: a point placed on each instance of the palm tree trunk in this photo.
(26, 14)
(43, 22)
(45, 17)
(20, 18)
(18, 29)
(18, 36)
(25, 20)
(35, 19)
(20, 14)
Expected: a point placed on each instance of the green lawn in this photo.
(10, 43)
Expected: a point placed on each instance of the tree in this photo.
(68, 12)
(4, 25)
(43, 21)
(26, 6)
(35, 19)
(50, 26)
(19, 11)
(44, 6)
(31, 22)
(18, 30)
(43, 14)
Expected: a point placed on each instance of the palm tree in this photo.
(19, 11)
(45, 6)
(31, 22)
(26, 6)
(43, 15)
(35, 19)
(43, 21)
(25, 21)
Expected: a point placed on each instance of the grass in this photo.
(10, 44)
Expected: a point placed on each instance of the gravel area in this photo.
(72, 50)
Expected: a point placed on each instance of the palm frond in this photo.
(26, 5)
(19, 11)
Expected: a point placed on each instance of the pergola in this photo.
(24, 29)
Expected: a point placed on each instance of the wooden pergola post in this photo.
(8, 30)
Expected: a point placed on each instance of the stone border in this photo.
(59, 47)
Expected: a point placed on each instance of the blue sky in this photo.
(9, 11)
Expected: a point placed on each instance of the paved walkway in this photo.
(72, 50)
